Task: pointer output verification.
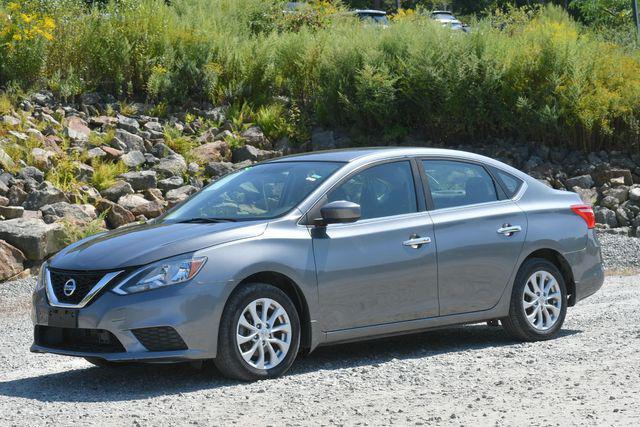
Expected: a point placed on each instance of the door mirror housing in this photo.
(339, 212)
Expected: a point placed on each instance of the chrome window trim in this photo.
(53, 300)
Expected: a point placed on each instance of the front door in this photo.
(369, 272)
(478, 236)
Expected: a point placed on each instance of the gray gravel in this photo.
(620, 253)
(472, 375)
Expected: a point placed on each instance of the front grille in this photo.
(163, 338)
(84, 281)
(74, 339)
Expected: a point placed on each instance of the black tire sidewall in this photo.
(517, 313)
(229, 361)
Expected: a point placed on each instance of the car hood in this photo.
(141, 244)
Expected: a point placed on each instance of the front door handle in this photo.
(416, 241)
(509, 230)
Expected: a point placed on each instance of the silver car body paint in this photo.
(355, 281)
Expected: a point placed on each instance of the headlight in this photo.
(41, 279)
(171, 271)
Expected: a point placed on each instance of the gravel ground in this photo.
(472, 375)
(620, 253)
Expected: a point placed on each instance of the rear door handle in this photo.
(415, 242)
(509, 230)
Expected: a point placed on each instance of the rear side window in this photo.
(382, 190)
(510, 183)
(455, 183)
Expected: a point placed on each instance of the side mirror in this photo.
(339, 212)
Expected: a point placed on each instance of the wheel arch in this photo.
(294, 292)
(557, 259)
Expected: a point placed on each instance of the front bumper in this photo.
(193, 310)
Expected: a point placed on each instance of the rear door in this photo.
(369, 272)
(479, 233)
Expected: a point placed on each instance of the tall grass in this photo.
(541, 77)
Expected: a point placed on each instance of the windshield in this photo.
(258, 192)
(378, 19)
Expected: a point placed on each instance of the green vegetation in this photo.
(537, 75)
(105, 173)
(74, 231)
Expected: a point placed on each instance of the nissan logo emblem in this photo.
(69, 287)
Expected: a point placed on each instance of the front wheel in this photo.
(259, 334)
(538, 302)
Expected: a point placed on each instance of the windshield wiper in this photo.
(205, 220)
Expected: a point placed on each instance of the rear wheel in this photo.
(259, 333)
(538, 302)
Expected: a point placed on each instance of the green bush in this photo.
(536, 75)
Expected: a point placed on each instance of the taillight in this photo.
(585, 212)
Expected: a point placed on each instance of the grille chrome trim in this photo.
(53, 300)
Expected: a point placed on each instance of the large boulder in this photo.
(180, 194)
(254, 136)
(138, 205)
(171, 165)
(44, 194)
(117, 190)
(133, 159)
(35, 238)
(211, 152)
(582, 181)
(76, 214)
(634, 194)
(129, 141)
(217, 169)
(588, 195)
(77, 129)
(116, 215)
(605, 216)
(322, 140)
(140, 180)
(249, 152)
(170, 183)
(11, 212)
(11, 260)
(127, 123)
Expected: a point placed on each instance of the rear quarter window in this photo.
(509, 183)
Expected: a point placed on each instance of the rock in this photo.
(605, 216)
(582, 181)
(133, 159)
(33, 237)
(620, 177)
(622, 217)
(254, 136)
(138, 205)
(117, 190)
(634, 194)
(284, 146)
(153, 127)
(84, 172)
(77, 129)
(44, 194)
(127, 123)
(96, 152)
(621, 193)
(116, 215)
(85, 193)
(170, 183)
(180, 194)
(42, 98)
(112, 153)
(129, 140)
(77, 214)
(16, 196)
(4, 201)
(171, 165)
(218, 169)
(11, 121)
(249, 152)
(31, 172)
(588, 195)
(91, 98)
(11, 212)
(322, 140)
(140, 180)
(6, 161)
(4, 189)
(161, 150)
(11, 260)
(217, 114)
(211, 152)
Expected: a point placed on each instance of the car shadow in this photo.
(145, 381)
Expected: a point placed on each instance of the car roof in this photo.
(348, 155)
(370, 11)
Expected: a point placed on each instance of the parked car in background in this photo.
(371, 15)
(448, 19)
(322, 248)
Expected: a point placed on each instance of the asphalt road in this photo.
(472, 375)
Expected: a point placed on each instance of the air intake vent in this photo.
(162, 338)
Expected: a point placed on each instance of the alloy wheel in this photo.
(542, 300)
(263, 333)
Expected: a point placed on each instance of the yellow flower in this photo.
(13, 6)
(17, 37)
(26, 17)
(48, 23)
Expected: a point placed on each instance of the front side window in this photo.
(382, 190)
(458, 184)
(257, 192)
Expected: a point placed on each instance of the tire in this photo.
(524, 305)
(230, 361)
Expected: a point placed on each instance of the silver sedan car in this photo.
(302, 251)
